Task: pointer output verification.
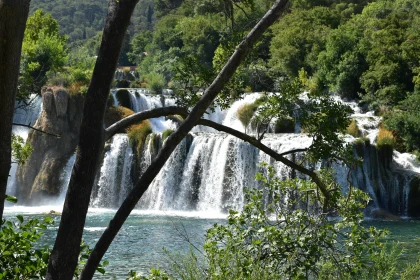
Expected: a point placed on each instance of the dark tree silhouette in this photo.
(13, 16)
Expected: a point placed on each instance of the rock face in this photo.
(40, 175)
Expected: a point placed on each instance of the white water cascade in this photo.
(27, 113)
(114, 179)
(209, 171)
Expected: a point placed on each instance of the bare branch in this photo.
(293, 151)
(278, 157)
(36, 129)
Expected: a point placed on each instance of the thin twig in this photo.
(36, 129)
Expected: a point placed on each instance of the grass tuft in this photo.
(138, 133)
(353, 129)
(385, 139)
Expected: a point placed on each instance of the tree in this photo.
(43, 50)
(13, 15)
(63, 258)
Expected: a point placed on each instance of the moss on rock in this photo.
(114, 114)
(123, 98)
(138, 133)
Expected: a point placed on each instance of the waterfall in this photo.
(209, 171)
(114, 180)
(26, 112)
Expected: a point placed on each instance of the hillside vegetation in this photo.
(368, 50)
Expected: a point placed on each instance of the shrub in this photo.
(290, 238)
(138, 134)
(21, 257)
(60, 79)
(385, 139)
(136, 84)
(156, 82)
(245, 113)
(353, 129)
(114, 114)
(284, 125)
(18, 257)
(77, 88)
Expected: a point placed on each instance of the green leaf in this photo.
(11, 199)
(20, 218)
(100, 270)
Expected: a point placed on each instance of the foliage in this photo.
(299, 39)
(385, 139)
(21, 151)
(353, 129)
(43, 51)
(114, 114)
(404, 121)
(156, 82)
(138, 133)
(286, 125)
(18, 258)
(283, 234)
(245, 113)
(81, 20)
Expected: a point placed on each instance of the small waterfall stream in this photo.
(26, 112)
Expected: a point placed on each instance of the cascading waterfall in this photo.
(209, 171)
(114, 181)
(26, 112)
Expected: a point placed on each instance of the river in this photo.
(139, 245)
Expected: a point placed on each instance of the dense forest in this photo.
(367, 50)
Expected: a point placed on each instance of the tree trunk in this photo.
(64, 256)
(13, 16)
(175, 138)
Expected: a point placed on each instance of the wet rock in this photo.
(39, 178)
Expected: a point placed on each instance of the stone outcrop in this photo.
(40, 175)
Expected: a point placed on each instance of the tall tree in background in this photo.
(43, 51)
(13, 16)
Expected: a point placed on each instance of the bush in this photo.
(138, 134)
(353, 129)
(245, 113)
(291, 238)
(284, 125)
(18, 257)
(385, 139)
(21, 258)
(136, 84)
(77, 88)
(156, 82)
(114, 114)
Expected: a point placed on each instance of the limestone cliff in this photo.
(40, 175)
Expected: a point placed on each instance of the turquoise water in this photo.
(139, 245)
